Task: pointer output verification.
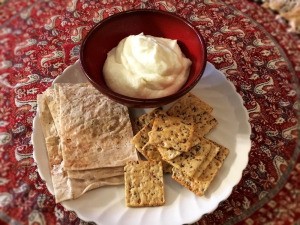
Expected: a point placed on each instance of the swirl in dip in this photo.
(144, 66)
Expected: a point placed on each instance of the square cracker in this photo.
(141, 143)
(149, 151)
(188, 162)
(200, 184)
(223, 153)
(212, 153)
(168, 154)
(141, 138)
(146, 118)
(194, 111)
(144, 184)
(190, 100)
(172, 133)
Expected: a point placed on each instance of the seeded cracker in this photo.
(190, 100)
(200, 185)
(149, 151)
(172, 133)
(194, 111)
(188, 162)
(140, 141)
(144, 119)
(168, 154)
(144, 184)
(142, 137)
(212, 153)
(223, 153)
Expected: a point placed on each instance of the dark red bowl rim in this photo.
(132, 100)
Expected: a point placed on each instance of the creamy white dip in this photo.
(144, 66)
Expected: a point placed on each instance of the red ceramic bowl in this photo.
(110, 31)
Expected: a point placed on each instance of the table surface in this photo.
(39, 39)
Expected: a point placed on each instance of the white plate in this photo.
(107, 205)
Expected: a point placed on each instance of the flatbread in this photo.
(95, 131)
(49, 130)
(96, 174)
(64, 187)
(144, 184)
(172, 133)
(194, 111)
(48, 126)
(52, 102)
(289, 10)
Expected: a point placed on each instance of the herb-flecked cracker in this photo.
(188, 162)
(214, 149)
(151, 153)
(191, 100)
(200, 184)
(141, 143)
(144, 184)
(148, 150)
(168, 154)
(141, 138)
(172, 133)
(194, 111)
(223, 153)
(146, 118)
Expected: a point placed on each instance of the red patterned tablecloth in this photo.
(40, 38)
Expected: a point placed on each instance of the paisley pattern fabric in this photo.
(40, 38)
